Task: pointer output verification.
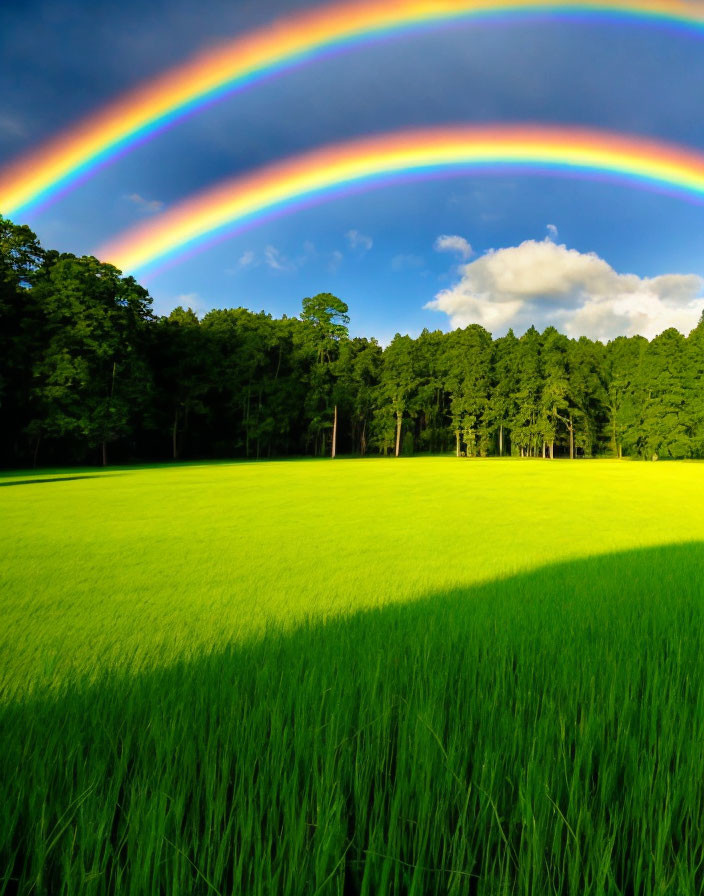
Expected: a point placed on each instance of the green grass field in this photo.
(379, 676)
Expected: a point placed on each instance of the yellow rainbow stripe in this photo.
(289, 184)
(151, 106)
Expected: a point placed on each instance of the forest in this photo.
(89, 375)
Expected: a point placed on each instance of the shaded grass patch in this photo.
(539, 734)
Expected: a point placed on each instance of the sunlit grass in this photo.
(142, 566)
(415, 676)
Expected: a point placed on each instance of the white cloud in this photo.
(545, 283)
(357, 240)
(246, 259)
(458, 244)
(275, 260)
(146, 206)
(553, 232)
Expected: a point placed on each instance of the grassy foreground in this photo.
(411, 676)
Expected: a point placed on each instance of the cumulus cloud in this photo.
(453, 243)
(545, 283)
(552, 232)
(146, 206)
(357, 240)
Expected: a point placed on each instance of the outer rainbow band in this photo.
(287, 185)
(121, 124)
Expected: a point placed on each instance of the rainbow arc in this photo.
(152, 106)
(324, 173)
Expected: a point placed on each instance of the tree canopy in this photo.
(89, 374)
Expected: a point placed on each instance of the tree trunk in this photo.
(363, 440)
(246, 424)
(334, 434)
(184, 430)
(501, 440)
(399, 419)
(174, 436)
(112, 392)
(457, 434)
(571, 427)
(544, 450)
(552, 451)
(259, 418)
(36, 452)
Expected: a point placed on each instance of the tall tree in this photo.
(92, 379)
(622, 363)
(526, 424)
(665, 426)
(431, 394)
(182, 373)
(502, 401)
(588, 393)
(556, 403)
(397, 385)
(695, 386)
(21, 329)
(326, 322)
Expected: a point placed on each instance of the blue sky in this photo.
(379, 250)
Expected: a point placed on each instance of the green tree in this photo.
(502, 401)
(326, 322)
(695, 386)
(431, 392)
(665, 428)
(182, 373)
(92, 379)
(21, 329)
(588, 393)
(397, 386)
(526, 424)
(556, 408)
(622, 363)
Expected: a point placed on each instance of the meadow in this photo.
(422, 675)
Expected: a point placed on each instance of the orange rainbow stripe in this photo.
(150, 107)
(285, 186)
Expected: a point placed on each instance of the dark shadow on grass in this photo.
(6, 484)
(98, 470)
(536, 734)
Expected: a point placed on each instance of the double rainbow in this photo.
(232, 66)
(243, 201)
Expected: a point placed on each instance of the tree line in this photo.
(89, 374)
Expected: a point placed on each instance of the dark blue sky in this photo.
(379, 250)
